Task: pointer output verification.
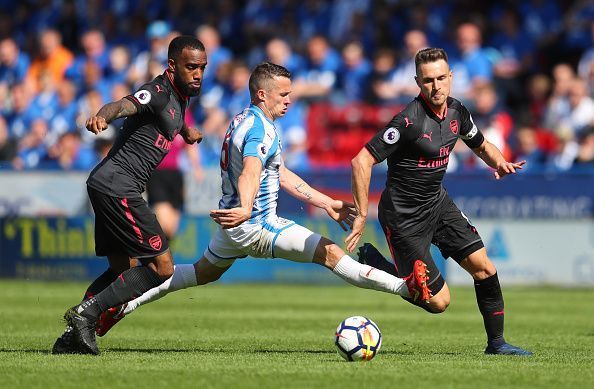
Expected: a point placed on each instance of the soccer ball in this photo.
(358, 339)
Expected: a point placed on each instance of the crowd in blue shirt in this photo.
(525, 69)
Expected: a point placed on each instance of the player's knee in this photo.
(438, 306)
(328, 253)
(165, 271)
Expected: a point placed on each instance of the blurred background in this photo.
(525, 69)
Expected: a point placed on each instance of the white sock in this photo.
(184, 276)
(365, 276)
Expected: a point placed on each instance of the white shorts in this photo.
(274, 238)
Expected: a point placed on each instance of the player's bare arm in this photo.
(191, 135)
(248, 185)
(361, 165)
(340, 211)
(489, 153)
(108, 113)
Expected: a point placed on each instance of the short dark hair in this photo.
(181, 42)
(265, 72)
(430, 54)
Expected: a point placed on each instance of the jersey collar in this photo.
(430, 108)
(169, 76)
(259, 110)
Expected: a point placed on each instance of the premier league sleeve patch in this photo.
(391, 135)
(143, 96)
(262, 150)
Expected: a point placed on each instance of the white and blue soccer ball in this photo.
(358, 339)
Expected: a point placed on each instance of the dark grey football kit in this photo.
(415, 209)
(124, 222)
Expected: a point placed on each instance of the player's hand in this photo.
(357, 231)
(96, 124)
(229, 218)
(506, 168)
(192, 135)
(343, 213)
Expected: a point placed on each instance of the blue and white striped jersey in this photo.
(251, 133)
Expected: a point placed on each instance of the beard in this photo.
(185, 88)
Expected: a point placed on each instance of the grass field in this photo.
(275, 336)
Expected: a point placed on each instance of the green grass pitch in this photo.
(280, 336)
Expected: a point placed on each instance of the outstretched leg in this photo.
(184, 276)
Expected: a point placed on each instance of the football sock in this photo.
(365, 276)
(128, 285)
(184, 276)
(100, 283)
(490, 302)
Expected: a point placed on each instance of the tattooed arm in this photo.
(108, 113)
(342, 212)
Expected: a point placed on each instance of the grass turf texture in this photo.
(282, 336)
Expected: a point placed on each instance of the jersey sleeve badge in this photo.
(143, 96)
(391, 135)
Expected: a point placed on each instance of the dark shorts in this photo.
(126, 226)
(166, 186)
(448, 229)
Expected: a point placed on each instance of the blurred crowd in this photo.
(524, 68)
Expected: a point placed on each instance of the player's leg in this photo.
(217, 259)
(297, 243)
(456, 237)
(490, 302)
(131, 226)
(65, 344)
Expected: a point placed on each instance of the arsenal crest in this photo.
(155, 242)
(454, 126)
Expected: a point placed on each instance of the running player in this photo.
(252, 173)
(126, 229)
(415, 209)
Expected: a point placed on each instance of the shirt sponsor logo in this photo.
(163, 143)
(143, 96)
(391, 135)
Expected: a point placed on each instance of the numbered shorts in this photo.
(449, 229)
(274, 238)
(126, 226)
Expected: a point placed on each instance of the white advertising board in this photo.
(536, 252)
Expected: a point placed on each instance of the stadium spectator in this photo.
(353, 74)
(537, 94)
(19, 113)
(119, 66)
(585, 153)
(142, 69)
(95, 52)
(64, 118)
(558, 105)
(528, 149)
(471, 63)
(514, 59)
(279, 52)
(14, 63)
(401, 88)
(317, 81)
(52, 57)
(32, 148)
(68, 153)
(491, 116)
(384, 63)
(217, 54)
(8, 145)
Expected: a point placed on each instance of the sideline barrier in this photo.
(525, 252)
